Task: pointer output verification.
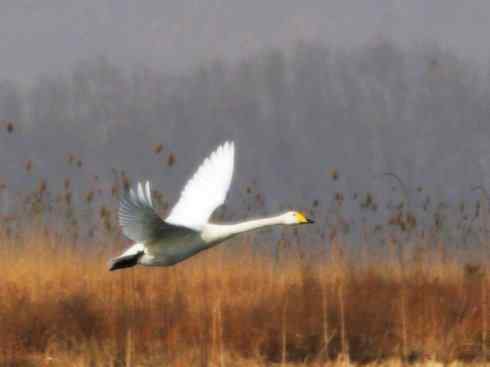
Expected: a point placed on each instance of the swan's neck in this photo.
(220, 232)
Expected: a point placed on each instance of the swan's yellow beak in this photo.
(301, 218)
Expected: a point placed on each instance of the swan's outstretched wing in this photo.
(206, 190)
(138, 219)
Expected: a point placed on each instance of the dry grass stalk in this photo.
(59, 300)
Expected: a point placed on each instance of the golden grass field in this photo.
(61, 307)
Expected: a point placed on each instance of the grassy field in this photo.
(60, 306)
(401, 294)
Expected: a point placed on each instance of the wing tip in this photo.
(230, 144)
(227, 148)
(139, 194)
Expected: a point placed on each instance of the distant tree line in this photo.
(296, 115)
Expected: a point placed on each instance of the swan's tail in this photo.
(125, 261)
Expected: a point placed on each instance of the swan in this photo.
(186, 231)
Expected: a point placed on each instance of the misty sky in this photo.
(50, 36)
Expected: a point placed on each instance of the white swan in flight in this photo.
(186, 231)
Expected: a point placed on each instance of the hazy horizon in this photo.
(53, 36)
(389, 87)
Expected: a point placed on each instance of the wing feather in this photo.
(206, 190)
(137, 217)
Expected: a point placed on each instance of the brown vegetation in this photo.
(402, 293)
(59, 303)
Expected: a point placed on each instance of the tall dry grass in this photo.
(60, 306)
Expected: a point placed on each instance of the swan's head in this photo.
(294, 217)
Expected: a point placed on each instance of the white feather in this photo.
(206, 190)
(134, 249)
(148, 193)
(141, 194)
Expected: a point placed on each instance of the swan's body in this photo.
(186, 231)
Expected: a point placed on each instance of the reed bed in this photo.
(60, 306)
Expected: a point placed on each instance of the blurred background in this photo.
(321, 97)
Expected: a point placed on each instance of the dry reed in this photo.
(59, 302)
